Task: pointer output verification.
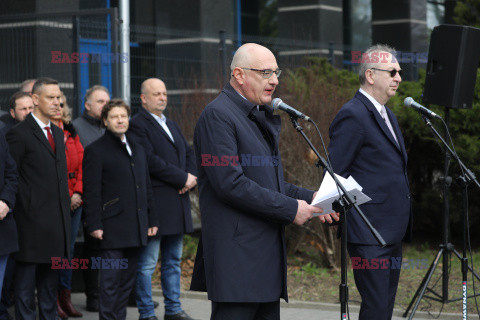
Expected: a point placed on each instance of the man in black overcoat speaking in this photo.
(244, 201)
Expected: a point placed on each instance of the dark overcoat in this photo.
(8, 191)
(168, 162)
(244, 201)
(42, 208)
(117, 193)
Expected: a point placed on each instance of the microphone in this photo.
(409, 102)
(277, 103)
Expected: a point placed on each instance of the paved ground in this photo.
(197, 306)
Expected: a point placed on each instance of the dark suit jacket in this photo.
(8, 190)
(244, 207)
(362, 146)
(117, 192)
(42, 208)
(168, 163)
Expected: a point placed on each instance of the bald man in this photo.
(244, 201)
(173, 173)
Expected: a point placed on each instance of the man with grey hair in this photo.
(88, 124)
(27, 85)
(89, 129)
(367, 144)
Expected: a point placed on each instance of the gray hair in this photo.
(24, 84)
(91, 90)
(364, 66)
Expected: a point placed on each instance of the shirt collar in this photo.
(377, 105)
(162, 118)
(40, 123)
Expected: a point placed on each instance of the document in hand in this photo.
(328, 192)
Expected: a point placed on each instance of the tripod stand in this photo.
(341, 205)
(447, 248)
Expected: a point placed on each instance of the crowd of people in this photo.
(126, 181)
(127, 192)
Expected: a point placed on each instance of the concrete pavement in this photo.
(198, 307)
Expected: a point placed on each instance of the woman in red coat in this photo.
(74, 154)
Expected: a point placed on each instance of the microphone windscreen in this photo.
(408, 101)
(276, 103)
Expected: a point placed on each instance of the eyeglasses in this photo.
(61, 104)
(267, 73)
(393, 72)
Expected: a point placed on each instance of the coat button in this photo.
(133, 164)
(408, 196)
(137, 186)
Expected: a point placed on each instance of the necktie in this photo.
(50, 138)
(383, 113)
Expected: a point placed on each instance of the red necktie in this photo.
(50, 139)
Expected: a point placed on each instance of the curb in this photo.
(318, 305)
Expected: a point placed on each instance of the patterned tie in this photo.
(50, 138)
(383, 113)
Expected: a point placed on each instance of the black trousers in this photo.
(376, 280)
(91, 248)
(31, 276)
(245, 311)
(117, 282)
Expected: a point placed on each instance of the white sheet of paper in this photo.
(328, 192)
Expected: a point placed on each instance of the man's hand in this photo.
(190, 184)
(75, 201)
(97, 234)
(152, 231)
(3, 210)
(314, 195)
(328, 217)
(191, 181)
(305, 212)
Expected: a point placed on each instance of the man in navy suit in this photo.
(244, 200)
(173, 172)
(367, 144)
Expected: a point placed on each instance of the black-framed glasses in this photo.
(266, 73)
(393, 72)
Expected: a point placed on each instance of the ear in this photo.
(143, 98)
(35, 99)
(239, 75)
(105, 122)
(370, 76)
(87, 106)
(12, 113)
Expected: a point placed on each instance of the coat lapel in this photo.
(38, 132)
(157, 125)
(378, 118)
(398, 133)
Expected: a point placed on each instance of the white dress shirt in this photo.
(163, 122)
(124, 141)
(43, 125)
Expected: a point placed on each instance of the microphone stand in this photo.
(467, 177)
(341, 205)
